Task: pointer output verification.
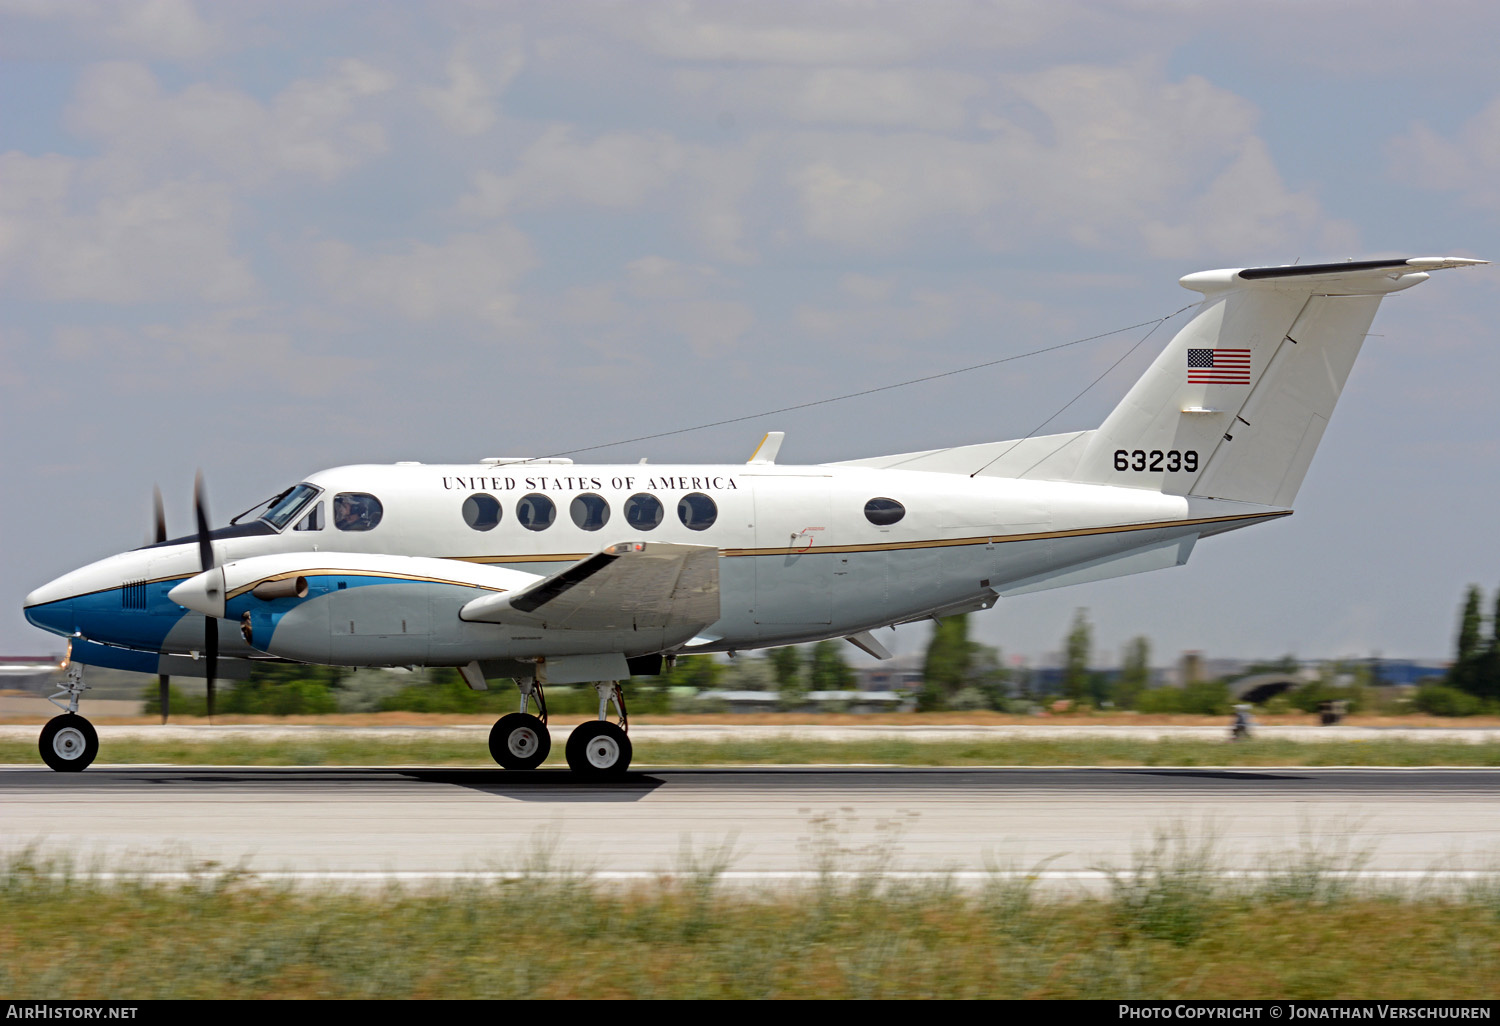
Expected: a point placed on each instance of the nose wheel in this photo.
(68, 743)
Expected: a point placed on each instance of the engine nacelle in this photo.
(358, 609)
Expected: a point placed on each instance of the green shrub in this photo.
(445, 692)
(1442, 700)
(1310, 697)
(1209, 698)
(292, 698)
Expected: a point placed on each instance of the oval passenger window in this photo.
(481, 511)
(589, 511)
(536, 512)
(643, 511)
(697, 511)
(884, 512)
(356, 511)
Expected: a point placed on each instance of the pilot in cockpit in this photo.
(347, 514)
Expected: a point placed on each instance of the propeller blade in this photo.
(161, 515)
(200, 510)
(211, 653)
(164, 690)
(206, 561)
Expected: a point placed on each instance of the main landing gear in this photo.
(69, 742)
(597, 748)
(519, 740)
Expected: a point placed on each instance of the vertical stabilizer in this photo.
(1236, 404)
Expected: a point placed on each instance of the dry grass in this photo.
(566, 937)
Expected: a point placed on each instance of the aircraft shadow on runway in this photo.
(1212, 774)
(543, 785)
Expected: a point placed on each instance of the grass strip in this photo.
(353, 749)
(1170, 936)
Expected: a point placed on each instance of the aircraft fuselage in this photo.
(799, 557)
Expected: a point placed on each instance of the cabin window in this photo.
(589, 511)
(536, 512)
(697, 511)
(356, 511)
(481, 511)
(643, 512)
(313, 521)
(884, 512)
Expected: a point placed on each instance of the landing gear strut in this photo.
(69, 742)
(520, 740)
(599, 748)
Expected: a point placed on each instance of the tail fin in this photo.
(1236, 404)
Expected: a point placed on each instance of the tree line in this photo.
(958, 674)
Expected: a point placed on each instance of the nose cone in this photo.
(56, 617)
(202, 594)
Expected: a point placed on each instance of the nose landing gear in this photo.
(69, 742)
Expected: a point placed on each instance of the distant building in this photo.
(901, 674)
(29, 673)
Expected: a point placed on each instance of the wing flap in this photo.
(629, 586)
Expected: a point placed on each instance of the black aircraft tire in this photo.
(598, 748)
(68, 743)
(520, 741)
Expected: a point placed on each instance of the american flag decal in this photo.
(1218, 366)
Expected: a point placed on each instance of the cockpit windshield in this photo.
(288, 505)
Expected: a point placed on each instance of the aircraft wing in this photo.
(629, 586)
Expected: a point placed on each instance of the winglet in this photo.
(765, 453)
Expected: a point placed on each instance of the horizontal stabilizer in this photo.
(629, 586)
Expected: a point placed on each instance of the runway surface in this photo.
(414, 824)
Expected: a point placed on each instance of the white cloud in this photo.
(168, 28)
(312, 127)
(865, 32)
(658, 296)
(1247, 211)
(466, 105)
(171, 29)
(699, 188)
(173, 241)
(236, 346)
(470, 276)
(1467, 163)
(929, 99)
(616, 169)
(1102, 156)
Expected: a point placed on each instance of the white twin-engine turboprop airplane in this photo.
(551, 573)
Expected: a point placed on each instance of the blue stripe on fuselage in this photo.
(265, 615)
(101, 616)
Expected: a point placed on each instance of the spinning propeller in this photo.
(205, 563)
(163, 681)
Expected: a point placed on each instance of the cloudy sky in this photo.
(262, 239)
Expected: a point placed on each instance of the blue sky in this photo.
(262, 239)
